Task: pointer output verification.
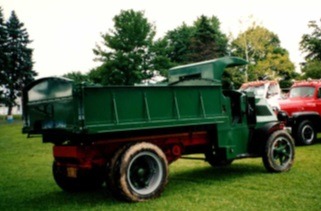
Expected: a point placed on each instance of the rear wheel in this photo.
(112, 173)
(305, 134)
(81, 180)
(142, 172)
(278, 155)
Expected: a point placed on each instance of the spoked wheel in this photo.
(306, 134)
(142, 172)
(279, 152)
(81, 181)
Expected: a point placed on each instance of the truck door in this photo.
(238, 133)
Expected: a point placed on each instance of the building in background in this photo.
(16, 110)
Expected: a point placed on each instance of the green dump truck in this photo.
(126, 136)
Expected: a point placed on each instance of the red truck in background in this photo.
(302, 108)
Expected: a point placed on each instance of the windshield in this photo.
(49, 89)
(258, 90)
(301, 91)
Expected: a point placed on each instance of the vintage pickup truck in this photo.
(303, 109)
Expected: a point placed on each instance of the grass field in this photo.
(26, 182)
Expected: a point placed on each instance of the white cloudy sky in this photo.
(64, 32)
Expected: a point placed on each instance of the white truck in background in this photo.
(270, 90)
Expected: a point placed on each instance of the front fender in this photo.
(304, 113)
(262, 134)
(298, 117)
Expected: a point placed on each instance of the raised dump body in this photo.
(127, 136)
(59, 104)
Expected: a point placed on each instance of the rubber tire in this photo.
(305, 126)
(276, 157)
(217, 161)
(86, 181)
(141, 156)
(112, 173)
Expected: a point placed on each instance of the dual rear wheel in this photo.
(138, 172)
(135, 173)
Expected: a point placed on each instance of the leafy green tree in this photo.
(311, 43)
(262, 48)
(126, 53)
(208, 42)
(99, 75)
(233, 78)
(18, 69)
(77, 77)
(312, 69)
(201, 41)
(160, 55)
(179, 43)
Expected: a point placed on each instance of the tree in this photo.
(263, 50)
(179, 42)
(160, 55)
(3, 41)
(3, 55)
(77, 77)
(312, 69)
(233, 78)
(208, 42)
(311, 43)
(126, 58)
(18, 69)
(201, 41)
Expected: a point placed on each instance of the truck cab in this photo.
(303, 108)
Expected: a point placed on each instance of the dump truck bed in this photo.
(108, 109)
(93, 109)
(192, 97)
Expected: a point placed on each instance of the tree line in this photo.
(129, 53)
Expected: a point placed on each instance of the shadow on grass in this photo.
(179, 182)
(60, 200)
(211, 174)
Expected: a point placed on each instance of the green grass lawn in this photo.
(26, 182)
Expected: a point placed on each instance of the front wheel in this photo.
(142, 172)
(305, 134)
(279, 153)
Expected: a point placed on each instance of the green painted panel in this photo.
(207, 70)
(131, 108)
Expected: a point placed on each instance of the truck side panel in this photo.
(110, 109)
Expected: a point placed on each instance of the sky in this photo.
(64, 32)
